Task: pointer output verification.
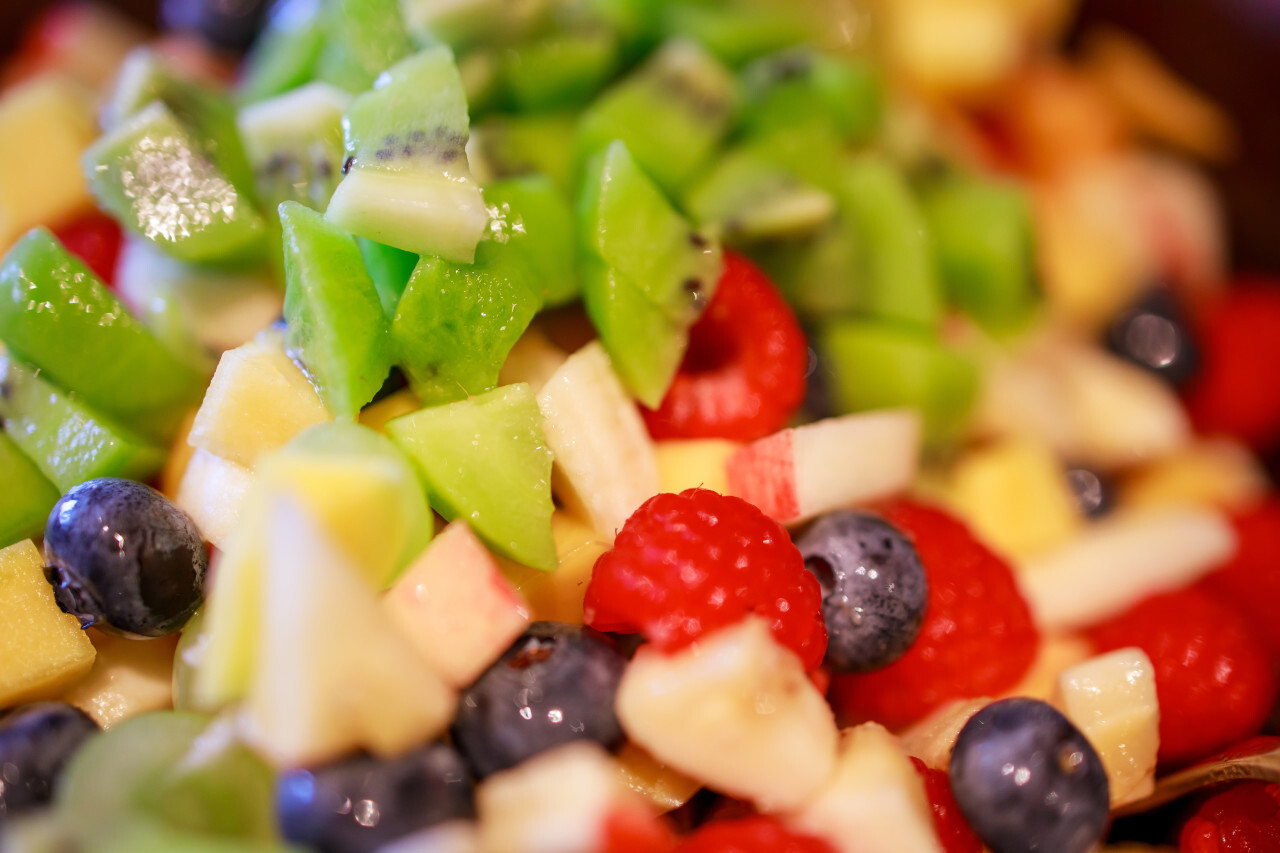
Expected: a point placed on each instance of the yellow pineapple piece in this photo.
(175, 467)
(1218, 472)
(45, 124)
(1058, 653)
(694, 463)
(666, 788)
(42, 649)
(402, 402)
(129, 677)
(932, 739)
(557, 595)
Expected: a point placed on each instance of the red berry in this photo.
(1250, 581)
(977, 639)
(757, 834)
(1212, 674)
(1237, 390)
(953, 830)
(684, 565)
(1240, 818)
(743, 376)
(632, 831)
(95, 239)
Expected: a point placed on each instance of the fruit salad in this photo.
(604, 426)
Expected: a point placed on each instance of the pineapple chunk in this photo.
(696, 463)
(45, 124)
(175, 467)
(666, 788)
(376, 415)
(932, 739)
(1219, 472)
(1057, 652)
(257, 401)
(42, 649)
(129, 677)
(1112, 700)
(557, 596)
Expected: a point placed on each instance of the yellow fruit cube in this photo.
(1218, 472)
(557, 595)
(697, 463)
(45, 124)
(667, 789)
(42, 649)
(376, 415)
(129, 677)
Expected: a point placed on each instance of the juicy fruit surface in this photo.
(684, 565)
(1213, 677)
(1055, 798)
(743, 375)
(1248, 581)
(35, 743)
(125, 556)
(874, 589)
(555, 684)
(1240, 818)
(756, 834)
(362, 803)
(953, 830)
(977, 639)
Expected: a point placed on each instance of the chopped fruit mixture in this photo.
(625, 426)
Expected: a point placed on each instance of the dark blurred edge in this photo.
(1229, 49)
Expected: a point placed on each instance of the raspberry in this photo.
(743, 375)
(632, 831)
(95, 239)
(977, 639)
(1212, 674)
(684, 565)
(953, 830)
(1240, 818)
(1250, 581)
(757, 834)
(1238, 389)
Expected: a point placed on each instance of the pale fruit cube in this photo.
(45, 124)
(455, 608)
(1015, 495)
(1219, 472)
(952, 48)
(602, 450)
(932, 739)
(212, 491)
(533, 359)
(180, 453)
(1121, 560)
(556, 802)
(257, 401)
(1112, 700)
(735, 711)
(557, 595)
(695, 463)
(376, 415)
(42, 649)
(875, 800)
(452, 836)
(1056, 653)
(800, 473)
(129, 677)
(666, 788)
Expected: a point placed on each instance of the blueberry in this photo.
(874, 589)
(1094, 493)
(35, 743)
(555, 684)
(123, 557)
(363, 803)
(1153, 335)
(227, 24)
(1026, 779)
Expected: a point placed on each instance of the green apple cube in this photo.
(152, 175)
(456, 323)
(485, 460)
(336, 325)
(361, 39)
(26, 498)
(56, 315)
(530, 215)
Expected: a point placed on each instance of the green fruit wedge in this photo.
(26, 498)
(798, 87)
(362, 39)
(531, 216)
(512, 145)
(390, 269)
(285, 54)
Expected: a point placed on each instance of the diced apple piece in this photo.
(257, 401)
(695, 463)
(331, 675)
(452, 836)
(1219, 472)
(800, 473)
(557, 596)
(212, 492)
(600, 443)
(1112, 700)
(932, 739)
(42, 649)
(533, 359)
(559, 801)
(667, 789)
(735, 711)
(1057, 652)
(128, 677)
(874, 802)
(1117, 562)
(455, 608)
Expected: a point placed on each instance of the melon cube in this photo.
(129, 677)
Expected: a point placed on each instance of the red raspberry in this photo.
(1240, 818)
(684, 565)
(95, 239)
(953, 830)
(977, 639)
(757, 834)
(1250, 581)
(633, 831)
(743, 375)
(1237, 390)
(1212, 674)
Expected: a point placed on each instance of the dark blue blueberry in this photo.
(35, 743)
(874, 589)
(1027, 780)
(555, 684)
(124, 557)
(1094, 493)
(1153, 335)
(363, 803)
(227, 24)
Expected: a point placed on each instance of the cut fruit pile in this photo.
(602, 426)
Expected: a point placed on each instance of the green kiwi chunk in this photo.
(508, 145)
(27, 496)
(285, 53)
(362, 38)
(800, 86)
(750, 198)
(389, 268)
(530, 215)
